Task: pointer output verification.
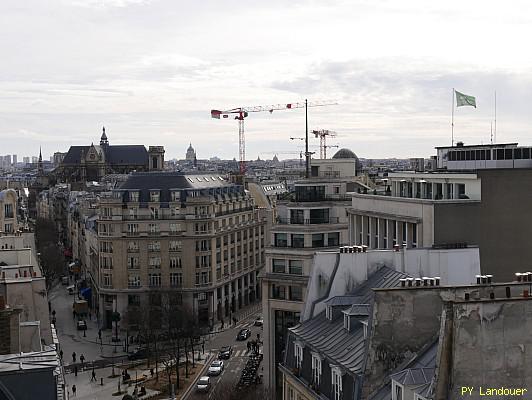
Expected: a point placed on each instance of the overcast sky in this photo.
(151, 71)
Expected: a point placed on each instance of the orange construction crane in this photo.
(242, 112)
(322, 134)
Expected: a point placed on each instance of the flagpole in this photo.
(452, 120)
(495, 122)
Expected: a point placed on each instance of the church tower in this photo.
(156, 158)
(103, 139)
(40, 168)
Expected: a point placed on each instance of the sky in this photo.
(150, 71)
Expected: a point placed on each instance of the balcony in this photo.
(310, 221)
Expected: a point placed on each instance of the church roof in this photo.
(345, 153)
(117, 154)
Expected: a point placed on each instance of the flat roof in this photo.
(477, 145)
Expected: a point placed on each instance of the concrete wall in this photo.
(505, 217)
(457, 222)
(492, 347)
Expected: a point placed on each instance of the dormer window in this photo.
(365, 327)
(134, 196)
(316, 369)
(397, 391)
(154, 196)
(175, 195)
(298, 348)
(336, 378)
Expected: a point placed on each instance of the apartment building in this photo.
(8, 211)
(314, 218)
(479, 197)
(195, 238)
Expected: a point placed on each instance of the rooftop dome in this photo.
(345, 153)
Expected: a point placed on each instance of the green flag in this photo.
(465, 100)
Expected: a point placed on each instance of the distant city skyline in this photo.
(150, 71)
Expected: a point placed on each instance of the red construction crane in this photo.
(322, 134)
(242, 112)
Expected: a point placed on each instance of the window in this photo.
(8, 228)
(133, 263)
(461, 190)
(298, 347)
(154, 195)
(397, 391)
(104, 229)
(154, 246)
(280, 240)
(106, 247)
(278, 266)
(154, 229)
(176, 279)
(106, 262)
(133, 300)
(107, 280)
(336, 383)
(333, 238)
(133, 246)
(8, 210)
(278, 292)
(319, 216)
(317, 240)
(175, 245)
(133, 229)
(295, 293)
(155, 262)
(154, 280)
(296, 217)
(175, 196)
(298, 240)
(134, 196)
(316, 369)
(175, 262)
(133, 213)
(133, 281)
(175, 227)
(154, 213)
(295, 267)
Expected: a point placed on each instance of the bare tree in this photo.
(225, 391)
(51, 258)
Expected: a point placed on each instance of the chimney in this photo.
(425, 281)
(410, 281)
(437, 279)
(478, 279)
(484, 279)
(403, 282)
(518, 276)
(490, 278)
(418, 281)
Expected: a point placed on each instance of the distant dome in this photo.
(345, 153)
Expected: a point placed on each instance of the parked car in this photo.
(216, 368)
(204, 384)
(139, 354)
(71, 289)
(64, 280)
(82, 325)
(225, 353)
(243, 334)
(259, 321)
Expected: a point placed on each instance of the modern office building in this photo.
(314, 218)
(479, 197)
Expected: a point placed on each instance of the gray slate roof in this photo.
(346, 300)
(330, 339)
(134, 154)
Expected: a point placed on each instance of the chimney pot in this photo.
(484, 279)
(403, 282)
(478, 279)
(437, 279)
(431, 281)
(518, 276)
(490, 278)
(529, 276)
(364, 248)
(410, 281)
(418, 281)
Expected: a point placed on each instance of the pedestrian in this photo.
(222, 324)
(203, 347)
(151, 372)
(53, 313)
(100, 334)
(73, 357)
(74, 390)
(61, 355)
(93, 377)
(74, 313)
(82, 359)
(75, 370)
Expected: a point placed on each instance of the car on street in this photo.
(139, 354)
(225, 353)
(204, 384)
(82, 325)
(259, 321)
(216, 368)
(71, 289)
(243, 334)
